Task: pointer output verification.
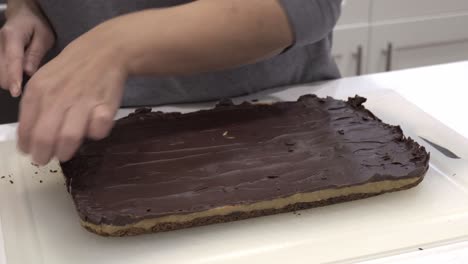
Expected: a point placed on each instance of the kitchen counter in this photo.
(440, 91)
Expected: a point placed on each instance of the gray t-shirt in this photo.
(307, 60)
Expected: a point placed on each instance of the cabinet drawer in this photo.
(399, 9)
(418, 43)
(354, 12)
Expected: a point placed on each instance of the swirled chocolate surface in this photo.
(158, 164)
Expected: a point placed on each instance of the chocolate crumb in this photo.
(272, 177)
(40, 181)
(225, 134)
(53, 171)
(143, 110)
(34, 164)
(3, 177)
(341, 132)
(35, 172)
(225, 102)
(202, 188)
(148, 210)
(11, 182)
(421, 248)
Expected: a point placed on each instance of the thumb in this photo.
(14, 52)
(37, 49)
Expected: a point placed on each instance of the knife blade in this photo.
(448, 153)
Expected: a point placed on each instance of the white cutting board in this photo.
(40, 224)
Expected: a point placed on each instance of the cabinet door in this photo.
(418, 43)
(350, 50)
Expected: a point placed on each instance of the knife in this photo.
(443, 150)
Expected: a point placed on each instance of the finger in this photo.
(102, 116)
(14, 52)
(44, 133)
(101, 121)
(40, 44)
(72, 132)
(3, 74)
(29, 111)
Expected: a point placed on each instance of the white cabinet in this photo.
(350, 50)
(399, 34)
(354, 12)
(418, 43)
(408, 9)
(351, 37)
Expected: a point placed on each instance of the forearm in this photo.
(206, 35)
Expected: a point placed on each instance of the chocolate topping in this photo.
(157, 164)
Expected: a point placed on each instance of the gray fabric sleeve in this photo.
(311, 20)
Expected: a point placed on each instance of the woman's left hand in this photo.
(74, 96)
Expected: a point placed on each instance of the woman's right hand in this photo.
(25, 39)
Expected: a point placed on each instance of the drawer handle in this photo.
(389, 57)
(359, 56)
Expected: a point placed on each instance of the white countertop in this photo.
(441, 91)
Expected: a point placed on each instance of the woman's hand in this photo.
(74, 96)
(24, 40)
(77, 94)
